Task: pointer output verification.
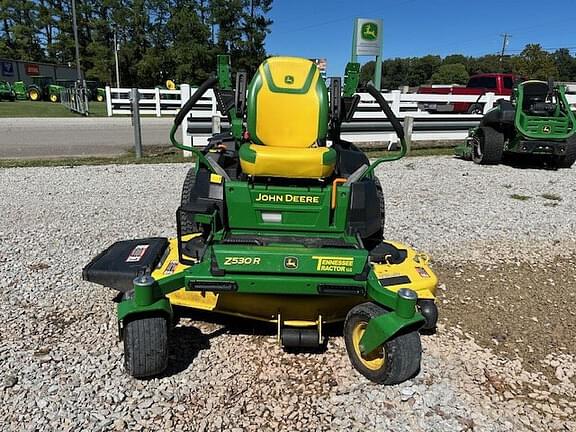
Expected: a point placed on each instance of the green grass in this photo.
(433, 151)
(520, 197)
(46, 109)
(152, 155)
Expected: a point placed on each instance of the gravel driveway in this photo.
(61, 364)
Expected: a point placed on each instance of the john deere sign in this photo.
(368, 36)
(369, 31)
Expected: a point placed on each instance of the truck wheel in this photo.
(34, 95)
(395, 361)
(476, 108)
(569, 157)
(487, 146)
(187, 222)
(54, 98)
(146, 346)
(99, 98)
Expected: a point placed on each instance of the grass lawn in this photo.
(46, 109)
(157, 154)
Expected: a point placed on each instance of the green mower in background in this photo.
(41, 89)
(7, 92)
(20, 90)
(537, 121)
(93, 92)
(280, 221)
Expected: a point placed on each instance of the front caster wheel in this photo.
(146, 346)
(395, 361)
(430, 312)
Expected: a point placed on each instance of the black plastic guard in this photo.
(117, 266)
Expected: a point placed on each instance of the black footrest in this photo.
(118, 265)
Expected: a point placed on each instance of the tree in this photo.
(490, 63)
(450, 74)
(566, 65)
(454, 59)
(535, 63)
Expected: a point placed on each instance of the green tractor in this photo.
(537, 121)
(279, 226)
(20, 90)
(43, 88)
(95, 93)
(7, 92)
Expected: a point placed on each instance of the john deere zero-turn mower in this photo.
(277, 226)
(536, 121)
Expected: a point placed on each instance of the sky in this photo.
(323, 28)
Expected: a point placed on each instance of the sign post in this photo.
(367, 40)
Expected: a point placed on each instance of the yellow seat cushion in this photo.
(311, 163)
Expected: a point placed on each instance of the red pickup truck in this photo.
(500, 84)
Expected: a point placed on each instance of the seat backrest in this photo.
(287, 103)
(533, 92)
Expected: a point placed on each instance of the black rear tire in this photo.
(395, 361)
(146, 346)
(487, 146)
(186, 220)
(569, 157)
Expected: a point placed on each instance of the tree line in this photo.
(532, 63)
(157, 39)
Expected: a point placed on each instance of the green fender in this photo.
(128, 308)
(383, 327)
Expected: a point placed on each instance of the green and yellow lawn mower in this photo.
(537, 121)
(280, 221)
(7, 92)
(20, 89)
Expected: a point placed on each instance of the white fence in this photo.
(368, 124)
(157, 102)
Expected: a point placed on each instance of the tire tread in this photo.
(146, 346)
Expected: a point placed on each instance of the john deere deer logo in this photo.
(289, 79)
(369, 31)
(546, 129)
(291, 263)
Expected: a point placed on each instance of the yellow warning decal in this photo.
(215, 178)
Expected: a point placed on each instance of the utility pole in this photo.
(505, 40)
(75, 28)
(116, 59)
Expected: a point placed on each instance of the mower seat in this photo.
(535, 95)
(287, 117)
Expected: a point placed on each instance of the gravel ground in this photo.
(61, 365)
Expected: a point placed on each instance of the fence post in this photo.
(216, 126)
(109, 101)
(134, 98)
(86, 105)
(158, 106)
(408, 127)
(490, 99)
(396, 101)
(186, 139)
